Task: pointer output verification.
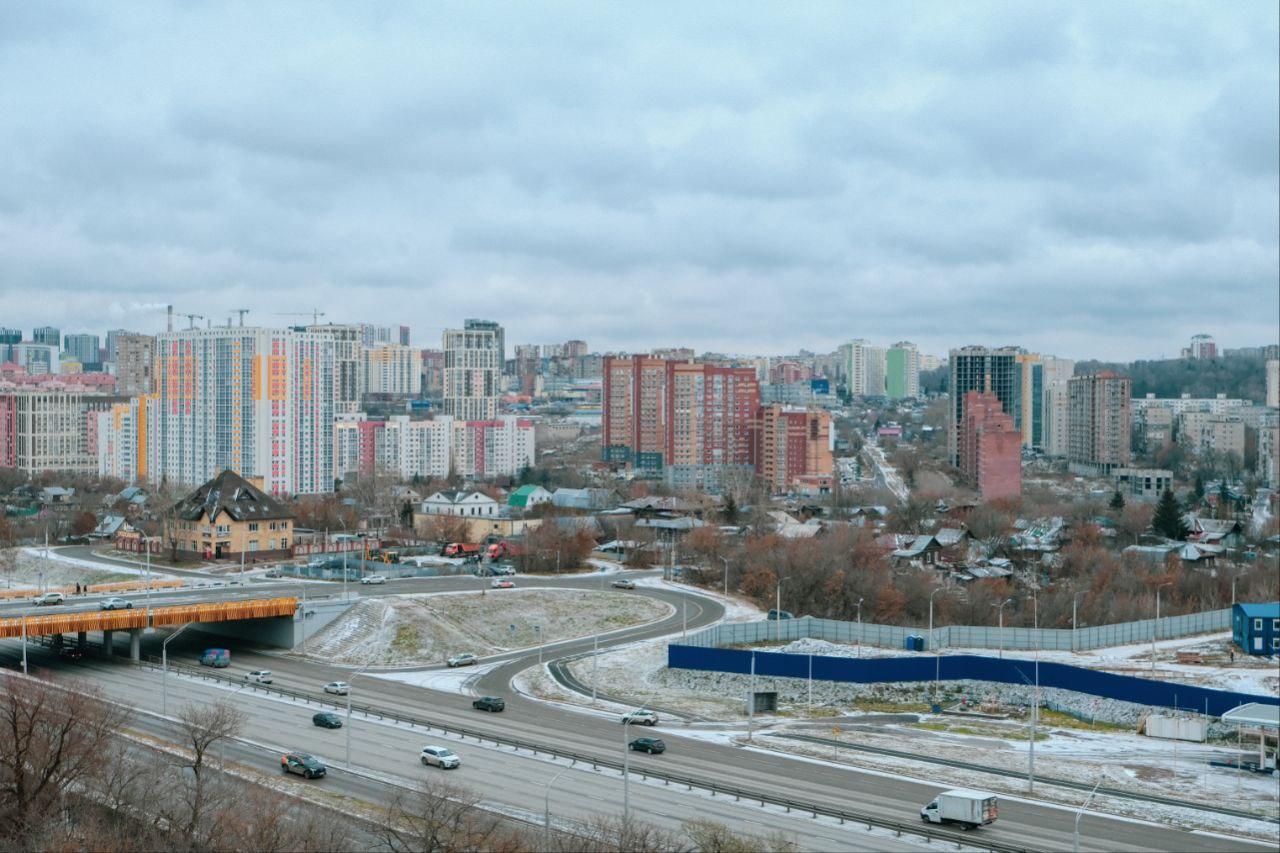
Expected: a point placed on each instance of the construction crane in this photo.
(241, 312)
(191, 318)
(315, 315)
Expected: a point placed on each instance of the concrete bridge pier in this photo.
(135, 644)
(108, 641)
(82, 640)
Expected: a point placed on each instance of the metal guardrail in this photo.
(928, 831)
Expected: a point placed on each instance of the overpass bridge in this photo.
(266, 610)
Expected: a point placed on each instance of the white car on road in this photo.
(373, 579)
(50, 598)
(641, 717)
(258, 676)
(440, 756)
(339, 688)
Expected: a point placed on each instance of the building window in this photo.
(253, 527)
(253, 544)
(1257, 624)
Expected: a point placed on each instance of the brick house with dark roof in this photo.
(227, 517)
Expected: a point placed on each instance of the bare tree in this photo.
(204, 727)
(707, 836)
(440, 817)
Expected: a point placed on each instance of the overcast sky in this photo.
(1091, 179)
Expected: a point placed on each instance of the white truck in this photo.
(970, 809)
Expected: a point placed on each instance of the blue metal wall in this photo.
(1141, 691)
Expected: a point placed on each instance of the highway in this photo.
(1021, 824)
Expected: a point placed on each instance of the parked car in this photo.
(373, 579)
(258, 676)
(624, 583)
(440, 756)
(338, 688)
(115, 603)
(464, 659)
(502, 584)
(327, 720)
(493, 704)
(49, 599)
(503, 569)
(970, 809)
(641, 717)
(305, 765)
(774, 615)
(651, 745)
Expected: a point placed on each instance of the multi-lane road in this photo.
(516, 781)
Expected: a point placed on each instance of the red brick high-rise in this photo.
(990, 447)
(793, 446)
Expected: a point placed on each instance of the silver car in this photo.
(440, 756)
(115, 603)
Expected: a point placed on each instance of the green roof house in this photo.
(527, 497)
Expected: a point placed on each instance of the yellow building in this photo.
(226, 517)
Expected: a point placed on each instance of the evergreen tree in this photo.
(1117, 501)
(1197, 490)
(1168, 518)
(730, 510)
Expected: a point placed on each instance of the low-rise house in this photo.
(108, 527)
(1041, 534)
(527, 497)
(1255, 628)
(584, 499)
(461, 503)
(226, 518)
(1214, 531)
(53, 495)
(921, 549)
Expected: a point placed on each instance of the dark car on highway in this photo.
(489, 703)
(775, 615)
(307, 766)
(651, 745)
(327, 720)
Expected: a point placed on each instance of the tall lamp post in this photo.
(1000, 621)
(347, 726)
(1075, 843)
(164, 668)
(1075, 599)
(546, 810)
(725, 560)
(626, 765)
(1035, 701)
(1155, 625)
(859, 654)
(777, 610)
(937, 667)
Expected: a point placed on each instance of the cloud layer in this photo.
(1086, 178)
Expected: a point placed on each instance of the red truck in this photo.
(504, 550)
(461, 549)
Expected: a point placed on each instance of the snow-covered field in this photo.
(407, 630)
(31, 568)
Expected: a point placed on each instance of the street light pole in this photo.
(347, 726)
(777, 611)
(546, 811)
(1074, 600)
(859, 627)
(1155, 626)
(725, 560)
(1075, 844)
(164, 668)
(937, 666)
(1035, 702)
(1000, 621)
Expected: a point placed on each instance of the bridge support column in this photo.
(108, 640)
(135, 644)
(82, 640)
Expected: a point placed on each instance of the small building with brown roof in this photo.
(226, 517)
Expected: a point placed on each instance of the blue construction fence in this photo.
(1125, 688)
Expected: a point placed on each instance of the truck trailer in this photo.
(970, 809)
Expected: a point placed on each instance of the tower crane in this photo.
(315, 315)
(241, 312)
(191, 318)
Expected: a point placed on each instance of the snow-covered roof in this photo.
(1254, 714)
(230, 493)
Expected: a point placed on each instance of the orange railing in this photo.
(119, 620)
(115, 586)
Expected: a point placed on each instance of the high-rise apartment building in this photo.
(10, 336)
(83, 348)
(113, 335)
(51, 428)
(1201, 346)
(472, 372)
(902, 371)
(434, 448)
(501, 447)
(393, 369)
(1273, 382)
(47, 335)
(990, 446)
(1206, 432)
(35, 358)
(125, 448)
(976, 368)
(348, 365)
(865, 368)
(135, 363)
(1098, 422)
(794, 447)
(499, 335)
(432, 372)
(257, 401)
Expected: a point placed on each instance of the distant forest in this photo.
(1234, 376)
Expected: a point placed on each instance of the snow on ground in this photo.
(456, 680)
(1246, 674)
(735, 609)
(60, 570)
(417, 629)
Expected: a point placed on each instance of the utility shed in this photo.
(1255, 628)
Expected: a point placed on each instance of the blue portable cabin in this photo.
(1255, 627)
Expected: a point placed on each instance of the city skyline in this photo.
(1084, 180)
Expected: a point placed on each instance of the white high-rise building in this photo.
(434, 448)
(257, 401)
(1273, 382)
(472, 373)
(496, 448)
(124, 449)
(865, 368)
(348, 370)
(393, 369)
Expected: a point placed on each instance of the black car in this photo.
(327, 720)
(307, 766)
(651, 745)
(489, 703)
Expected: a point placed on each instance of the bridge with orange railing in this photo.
(86, 589)
(135, 620)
